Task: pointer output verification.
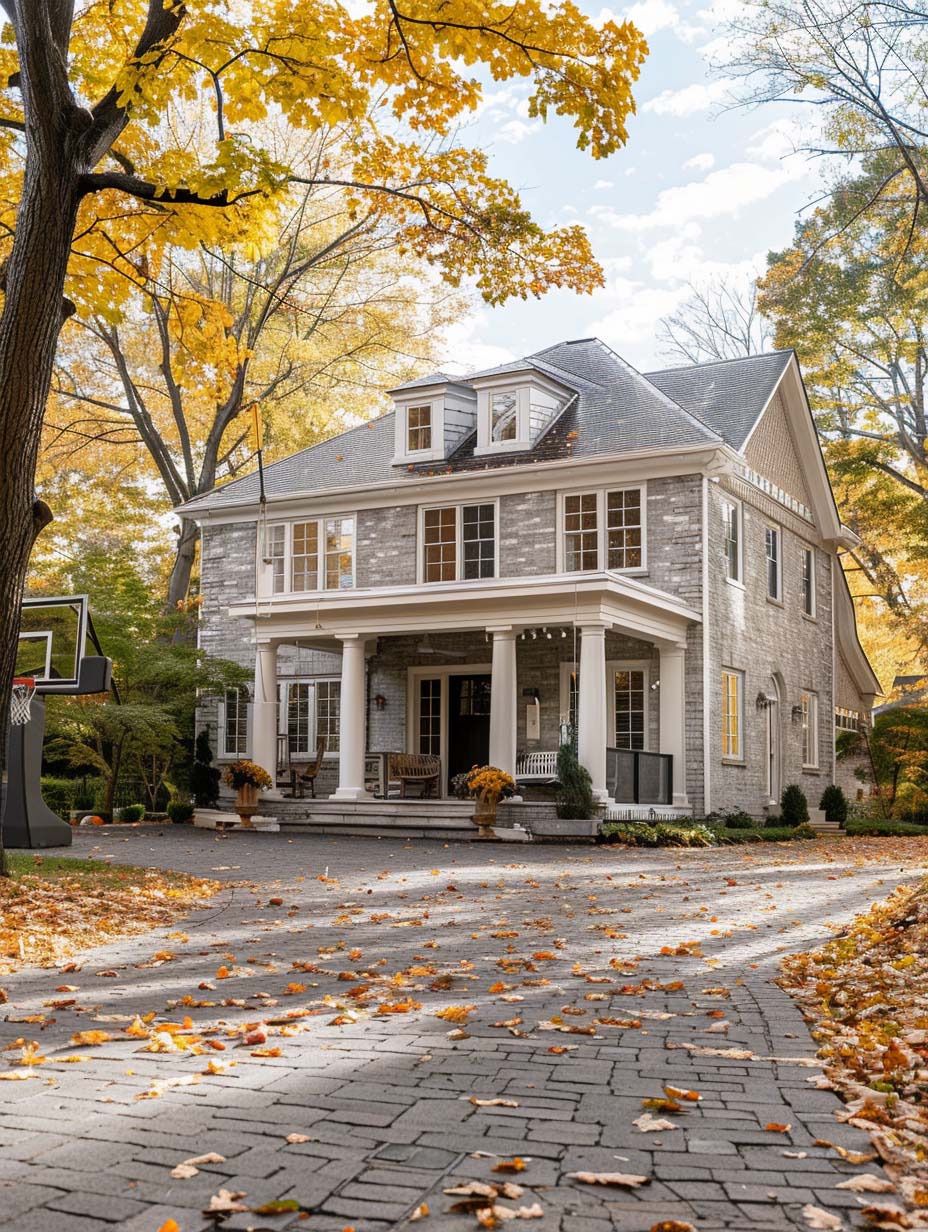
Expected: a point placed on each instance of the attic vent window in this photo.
(504, 409)
(419, 428)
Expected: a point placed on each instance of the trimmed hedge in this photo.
(877, 828)
(180, 811)
(131, 812)
(762, 834)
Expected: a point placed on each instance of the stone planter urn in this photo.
(485, 820)
(246, 803)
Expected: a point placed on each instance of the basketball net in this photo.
(21, 700)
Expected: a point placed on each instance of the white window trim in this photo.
(282, 688)
(813, 727)
(567, 668)
(602, 554)
(813, 615)
(738, 506)
(436, 451)
(457, 506)
(778, 531)
(522, 440)
(223, 754)
(267, 570)
(728, 758)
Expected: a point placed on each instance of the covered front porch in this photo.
(497, 672)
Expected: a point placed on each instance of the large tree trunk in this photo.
(32, 316)
(179, 585)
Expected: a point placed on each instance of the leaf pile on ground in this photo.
(866, 994)
(52, 908)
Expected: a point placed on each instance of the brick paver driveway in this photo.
(526, 935)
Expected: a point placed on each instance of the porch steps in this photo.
(820, 825)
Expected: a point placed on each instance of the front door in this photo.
(468, 723)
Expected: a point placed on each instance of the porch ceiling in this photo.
(611, 599)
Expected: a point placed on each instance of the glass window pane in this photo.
(419, 428)
(430, 717)
(235, 735)
(304, 556)
(300, 697)
(504, 415)
(623, 527)
(629, 710)
(440, 544)
(479, 540)
(328, 697)
(339, 553)
(277, 552)
(581, 537)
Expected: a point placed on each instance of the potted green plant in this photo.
(488, 785)
(248, 778)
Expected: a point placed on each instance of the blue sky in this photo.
(700, 189)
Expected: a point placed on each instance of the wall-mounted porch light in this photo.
(380, 701)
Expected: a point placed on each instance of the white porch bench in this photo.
(536, 768)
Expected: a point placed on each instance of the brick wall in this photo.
(527, 534)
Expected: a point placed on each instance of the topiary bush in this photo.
(131, 812)
(739, 821)
(204, 776)
(794, 807)
(834, 802)
(575, 792)
(180, 811)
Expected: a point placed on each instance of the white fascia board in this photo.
(553, 599)
(602, 469)
(854, 655)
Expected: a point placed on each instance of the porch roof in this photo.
(611, 599)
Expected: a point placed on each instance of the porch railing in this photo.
(636, 777)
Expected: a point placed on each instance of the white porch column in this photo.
(351, 722)
(673, 715)
(264, 713)
(591, 706)
(503, 701)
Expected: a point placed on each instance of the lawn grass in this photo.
(52, 907)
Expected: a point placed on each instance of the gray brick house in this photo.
(651, 559)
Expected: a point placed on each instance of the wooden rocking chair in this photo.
(305, 773)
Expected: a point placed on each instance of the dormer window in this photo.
(504, 408)
(419, 428)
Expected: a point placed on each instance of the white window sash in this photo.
(321, 554)
(602, 528)
(424, 510)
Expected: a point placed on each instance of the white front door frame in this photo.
(774, 744)
(440, 672)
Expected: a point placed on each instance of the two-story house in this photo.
(652, 559)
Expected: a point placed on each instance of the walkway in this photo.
(390, 1107)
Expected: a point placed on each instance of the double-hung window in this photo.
(309, 711)
(233, 723)
(731, 539)
(773, 540)
(630, 692)
(459, 543)
(317, 554)
(604, 530)
(419, 428)
(808, 581)
(810, 730)
(732, 715)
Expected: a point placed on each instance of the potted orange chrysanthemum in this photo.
(487, 785)
(248, 778)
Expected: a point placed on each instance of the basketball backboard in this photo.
(53, 632)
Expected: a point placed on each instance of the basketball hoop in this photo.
(21, 700)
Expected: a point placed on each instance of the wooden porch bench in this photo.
(537, 768)
(421, 768)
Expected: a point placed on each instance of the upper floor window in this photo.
(846, 720)
(314, 555)
(459, 543)
(419, 428)
(810, 730)
(732, 714)
(731, 535)
(808, 581)
(603, 530)
(773, 539)
(504, 415)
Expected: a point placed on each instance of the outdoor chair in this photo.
(305, 773)
(423, 769)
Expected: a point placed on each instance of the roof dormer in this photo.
(433, 416)
(515, 407)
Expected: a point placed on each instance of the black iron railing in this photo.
(635, 777)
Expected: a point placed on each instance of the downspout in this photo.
(706, 680)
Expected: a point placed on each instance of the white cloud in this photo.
(513, 132)
(648, 15)
(779, 139)
(637, 310)
(700, 162)
(464, 350)
(698, 97)
(722, 192)
(604, 184)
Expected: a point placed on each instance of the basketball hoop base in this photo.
(27, 820)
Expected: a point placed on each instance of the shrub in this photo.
(878, 828)
(59, 795)
(662, 834)
(739, 821)
(204, 776)
(180, 811)
(761, 834)
(794, 808)
(575, 793)
(635, 833)
(834, 802)
(786, 834)
(131, 812)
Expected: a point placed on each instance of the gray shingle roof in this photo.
(729, 394)
(615, 410)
